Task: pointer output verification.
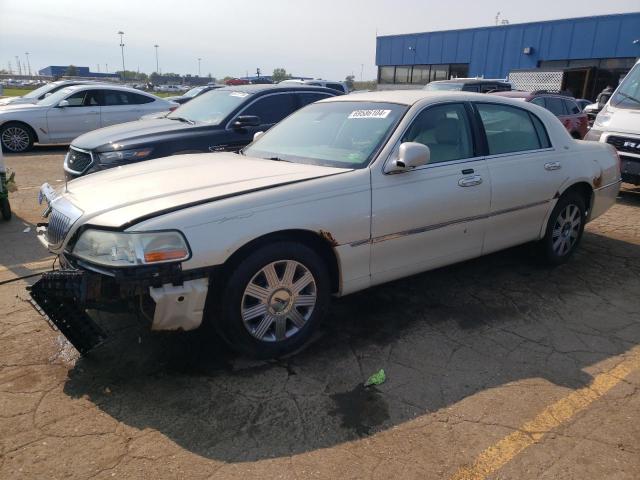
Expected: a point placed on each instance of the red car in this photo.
(236, 81)
(565, 108)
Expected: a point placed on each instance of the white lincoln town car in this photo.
(344, 194)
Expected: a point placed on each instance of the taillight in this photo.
(171, 109)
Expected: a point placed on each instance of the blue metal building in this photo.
(604, 46)
(59, 71)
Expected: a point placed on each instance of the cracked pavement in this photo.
(472, 353)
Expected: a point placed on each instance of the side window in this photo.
(471, 88)
(137, 99)
(335, 86)
(115, 97)
(572, 107)
(539, 101)
(555, 105)
(272, 108)
(445, 129)
(307, 98)
(77, 99)
(508, 129)
(543, 136)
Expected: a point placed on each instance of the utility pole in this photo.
(199, 59)
(19, 66)
(106, 68)
(121, 33)
(28, 63)
(157, 63)
(10, 67)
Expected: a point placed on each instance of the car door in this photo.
(269, 108)
(432, 215)
(120, 106)
(81, 115)
(526, 172)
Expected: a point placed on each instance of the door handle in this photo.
(470, 181)
(552, 166)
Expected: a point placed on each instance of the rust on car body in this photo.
(328, 237)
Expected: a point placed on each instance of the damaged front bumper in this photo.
(64, 296)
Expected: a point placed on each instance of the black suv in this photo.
(220, 120)
(479, 85)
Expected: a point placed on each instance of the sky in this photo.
(322, 39)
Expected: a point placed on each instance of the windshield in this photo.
(56, 97)
(194, 91)
(334, 134)
(627, 95)
(40, 91)
(444, 86)
(211, 107)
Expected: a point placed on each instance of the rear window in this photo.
(509, 129)
(555, 105)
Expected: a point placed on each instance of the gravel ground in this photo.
(496, 368)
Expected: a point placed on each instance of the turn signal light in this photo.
(164, 255)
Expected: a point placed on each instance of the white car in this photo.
(34, 96)
(343, 194)
(72, 111)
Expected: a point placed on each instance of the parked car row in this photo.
(343, 194)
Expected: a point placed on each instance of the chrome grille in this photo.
(78, 161)
(625, 144)
(58, 228)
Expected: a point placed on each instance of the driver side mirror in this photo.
(47, 94)
(410, 155)
(257, 135)
(63, 103)
(246, 121)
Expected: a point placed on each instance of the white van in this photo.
(618, 124)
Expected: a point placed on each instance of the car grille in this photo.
(58, 228)
(625, 144)
(78, 161)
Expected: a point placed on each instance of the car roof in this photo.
(106, 85)
(412, 97)
(259, 88)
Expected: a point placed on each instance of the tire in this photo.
(564, 229)
(258, 316)
(5, 208)
(16, 137)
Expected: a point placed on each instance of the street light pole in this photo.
(28, 64)
(199, 65)
(121, 33)
(157, 67)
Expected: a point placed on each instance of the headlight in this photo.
(603, 118)
(124, 155)
(122, 249)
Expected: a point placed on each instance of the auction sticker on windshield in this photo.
(369, 114)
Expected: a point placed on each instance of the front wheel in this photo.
(273, 300)
(564, 229)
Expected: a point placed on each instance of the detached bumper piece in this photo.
(60, 297)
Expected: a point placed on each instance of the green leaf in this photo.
(377, 378)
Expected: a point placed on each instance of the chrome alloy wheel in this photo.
(15, 139)
(566, 230)
(278, 301)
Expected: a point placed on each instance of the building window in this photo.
(403, 74)
(420, 74)
(439, 72)
(386, 74)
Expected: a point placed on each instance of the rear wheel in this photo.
(16, 137)
(564, 229)
(273, 301)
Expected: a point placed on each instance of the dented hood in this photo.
(121, 195)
